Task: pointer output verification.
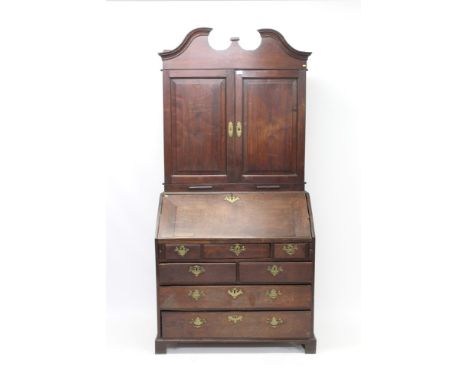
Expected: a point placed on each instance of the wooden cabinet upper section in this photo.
(234, 119)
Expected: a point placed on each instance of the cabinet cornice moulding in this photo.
(273, 52)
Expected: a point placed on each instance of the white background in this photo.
(80, 96)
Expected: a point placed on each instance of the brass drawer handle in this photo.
(197, 270)
(196, 294)
(273, 293)
(198, 322)
(238, 129)
(237, 249)
(275, 322)
(274, 269)
(290, 249)
(234, 319)
(231, 198)
(235, 292)
(230, 129)
(181, 250)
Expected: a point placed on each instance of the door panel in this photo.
(201, 103)
(271, 146)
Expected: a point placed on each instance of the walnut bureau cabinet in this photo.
(235, 242)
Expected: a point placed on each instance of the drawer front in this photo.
(290, 250)
(234, 324)
(232, 297)
(236, 250)
(191, 273)
(276, 272)
(182, 251)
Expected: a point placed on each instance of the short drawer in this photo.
(235, 324)
(275, 272)
(290, 250)
(182, 251)
(191, 273)
(236, 250)
(232, 297)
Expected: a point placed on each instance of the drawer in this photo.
(290, 250)
(236, 250)
(182, 251)
(235, 324)
(276, 272)
(191, 273)
(232, 297)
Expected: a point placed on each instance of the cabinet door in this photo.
(270, 105)
(198, 105)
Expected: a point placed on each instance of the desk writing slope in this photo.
(255, 215)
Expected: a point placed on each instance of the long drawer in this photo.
(191, 273)
(237, 324)
(232, 297)
(275, 272)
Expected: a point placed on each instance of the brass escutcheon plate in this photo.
(198, 322)
(196, 270)
(275, 321)
(235, 319)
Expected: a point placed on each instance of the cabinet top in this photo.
(195, 52)
(240, 215)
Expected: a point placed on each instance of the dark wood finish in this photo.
(235, 243)
(271, 106)
(233, 297)
(198, 106)
(174, 251)
(291, 272)
(212, 273)
(255, 215)
(299, 251)
(161, 344)
(227, 251)
(251, 325)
